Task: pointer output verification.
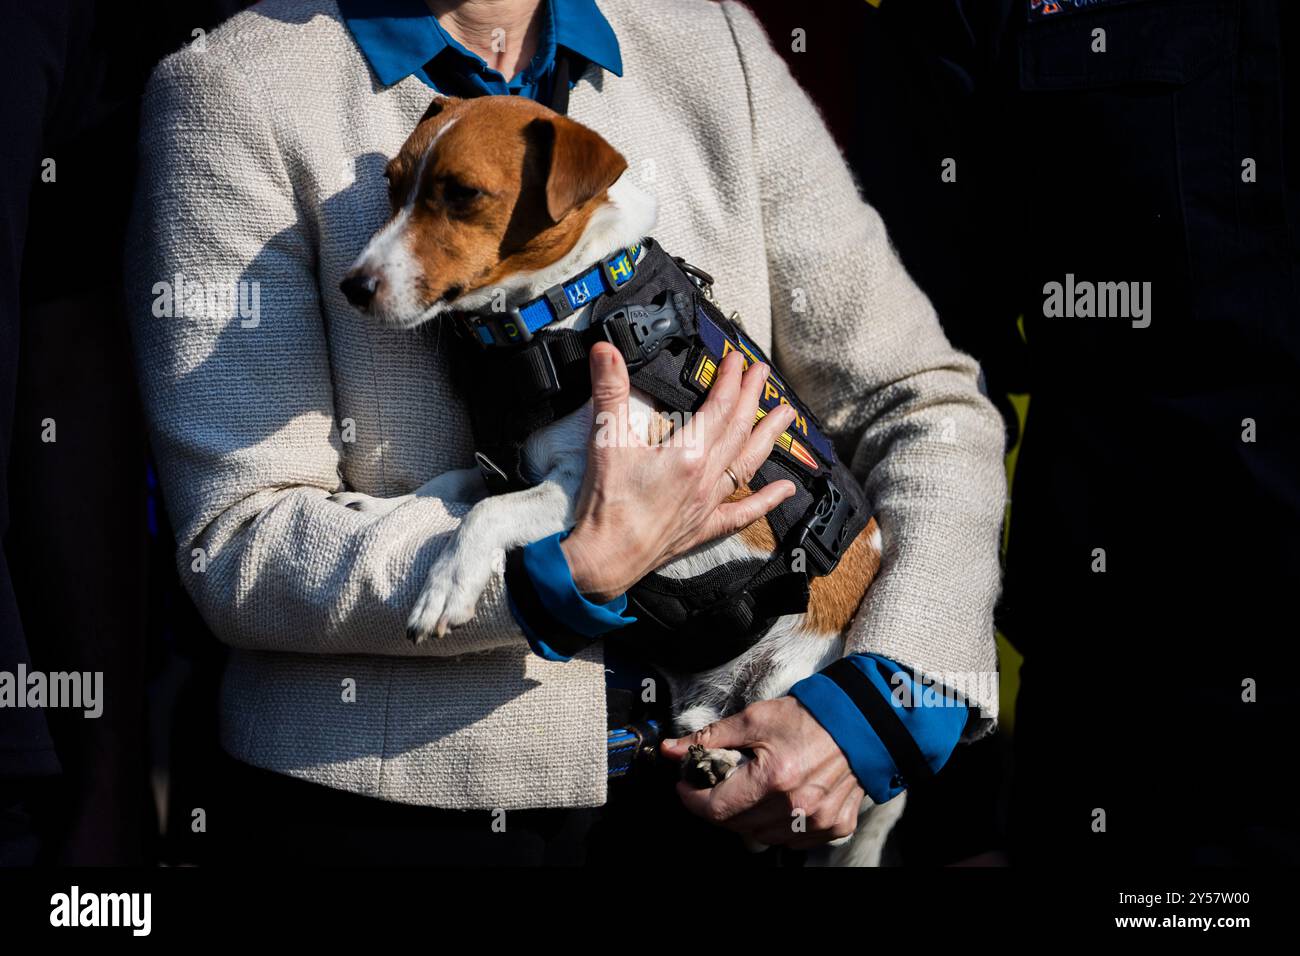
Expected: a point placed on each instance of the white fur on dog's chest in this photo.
(572, 433)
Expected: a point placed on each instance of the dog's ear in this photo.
(579, 163)
(437, 106)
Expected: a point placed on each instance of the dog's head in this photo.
(484, 193)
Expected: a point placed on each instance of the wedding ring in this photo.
(734, 480)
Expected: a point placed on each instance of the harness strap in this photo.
(511, 328)
(698, 623)
(651, 307)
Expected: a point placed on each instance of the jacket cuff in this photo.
(556, 618)
(893, 733)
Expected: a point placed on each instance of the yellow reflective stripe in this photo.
(704, 374)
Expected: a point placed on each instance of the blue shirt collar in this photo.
(398, 37)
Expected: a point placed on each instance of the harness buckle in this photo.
(821, 533)
(650, 326)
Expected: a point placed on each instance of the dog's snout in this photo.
(359, 288)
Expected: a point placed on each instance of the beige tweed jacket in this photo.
(262, 154)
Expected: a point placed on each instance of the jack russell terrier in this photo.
(518, 224)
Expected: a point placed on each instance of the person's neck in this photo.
(505, 33)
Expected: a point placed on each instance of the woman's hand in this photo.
(643, 505)
(798, 791)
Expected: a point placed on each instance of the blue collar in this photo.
(398, 37)
(558, 302)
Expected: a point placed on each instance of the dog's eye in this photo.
(458, 194)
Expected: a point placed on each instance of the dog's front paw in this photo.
(704, 768)
(449, 597)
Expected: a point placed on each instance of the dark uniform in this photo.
(77, 552)
(1123, 141)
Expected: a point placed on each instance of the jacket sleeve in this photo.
(556, 618)
(864, 348)
(238, 393)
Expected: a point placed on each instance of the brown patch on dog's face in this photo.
(481, 190)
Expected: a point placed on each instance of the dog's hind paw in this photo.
(704, 768)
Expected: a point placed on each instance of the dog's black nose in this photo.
(359, 288)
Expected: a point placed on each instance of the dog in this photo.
(500, 197)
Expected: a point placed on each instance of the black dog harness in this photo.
(519, 374)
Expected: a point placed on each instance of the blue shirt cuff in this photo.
(555, 617)
(932, 722)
